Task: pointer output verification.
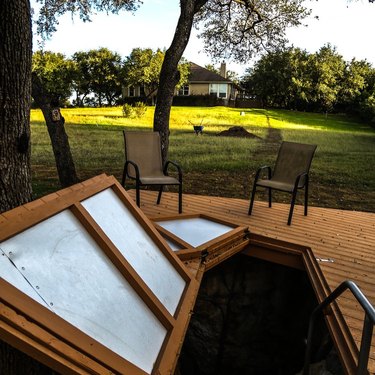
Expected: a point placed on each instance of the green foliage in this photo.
(50, 11)
(127, 110)
(99, 73)
(184, 71)
(56, 73)
(243, 29)
(140, 109)
(198, 100)
(233, 76)
(368, 108)
(327, 76)
(212, 68)
(322, 82)
(137, 110)
(142, 68)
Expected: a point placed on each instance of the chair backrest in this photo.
(144, 149)
(292, 160)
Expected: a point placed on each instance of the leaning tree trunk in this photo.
(15, 171)
(56, 130)
(169, 74)
(15, 86)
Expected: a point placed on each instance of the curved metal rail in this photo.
(368, 325)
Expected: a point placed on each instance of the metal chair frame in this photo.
(138, 182)
(301, 182)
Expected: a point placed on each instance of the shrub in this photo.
(127, 110)
(139, 109)
(198, 100)
(367, 108)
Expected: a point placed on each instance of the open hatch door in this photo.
(88, 285)
(201, 236)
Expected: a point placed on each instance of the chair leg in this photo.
(123, 177)
(269, 197)
(138, 194)
(180, 198)
(159, 195)
(306, 194)
(294, 194)
(252, 198)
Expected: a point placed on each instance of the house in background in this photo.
(201, 83)
(206, 82)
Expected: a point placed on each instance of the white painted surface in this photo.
(12, 275)
(173, 245)
(68, 269)
(137, 247)
(195, 231)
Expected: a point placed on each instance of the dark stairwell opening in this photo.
(251, 317)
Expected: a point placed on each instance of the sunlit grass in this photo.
(212, 118)
(342, 172)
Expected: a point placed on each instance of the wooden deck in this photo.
(341, 246)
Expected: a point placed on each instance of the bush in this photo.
(198, 100)
(127, 111)
(139, 109)
(367, 109)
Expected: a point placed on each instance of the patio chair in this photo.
(291, 172)
(143, 163)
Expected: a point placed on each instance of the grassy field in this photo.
(342, 173)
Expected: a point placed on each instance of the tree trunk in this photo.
(15, 171)
(169, 74)
(15, 98)
(56, 130)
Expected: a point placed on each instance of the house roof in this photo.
(200, 74)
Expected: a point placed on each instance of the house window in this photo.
(183, 90)
(213, 89)
(219, 89)
(222, 91)
(142, 91)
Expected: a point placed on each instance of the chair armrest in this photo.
(135, 166)
(298, 179)
(259, 171)
(179, 170)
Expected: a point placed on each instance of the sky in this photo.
(346, 24)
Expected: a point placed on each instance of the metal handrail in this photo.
(368, 325)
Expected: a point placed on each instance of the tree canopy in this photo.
(97, 76)
(322, 81)
(241, 29)
(56, 73)
(98, 72)
(142, 67)
(50, 11)
(234, 29)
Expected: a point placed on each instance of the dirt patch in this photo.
(237, 131)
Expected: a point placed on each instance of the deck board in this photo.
(346, 237)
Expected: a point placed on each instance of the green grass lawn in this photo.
(342, 172)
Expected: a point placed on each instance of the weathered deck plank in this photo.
(346, 237)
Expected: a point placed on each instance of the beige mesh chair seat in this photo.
(291, 172)
(143, 164)
(158, 180)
